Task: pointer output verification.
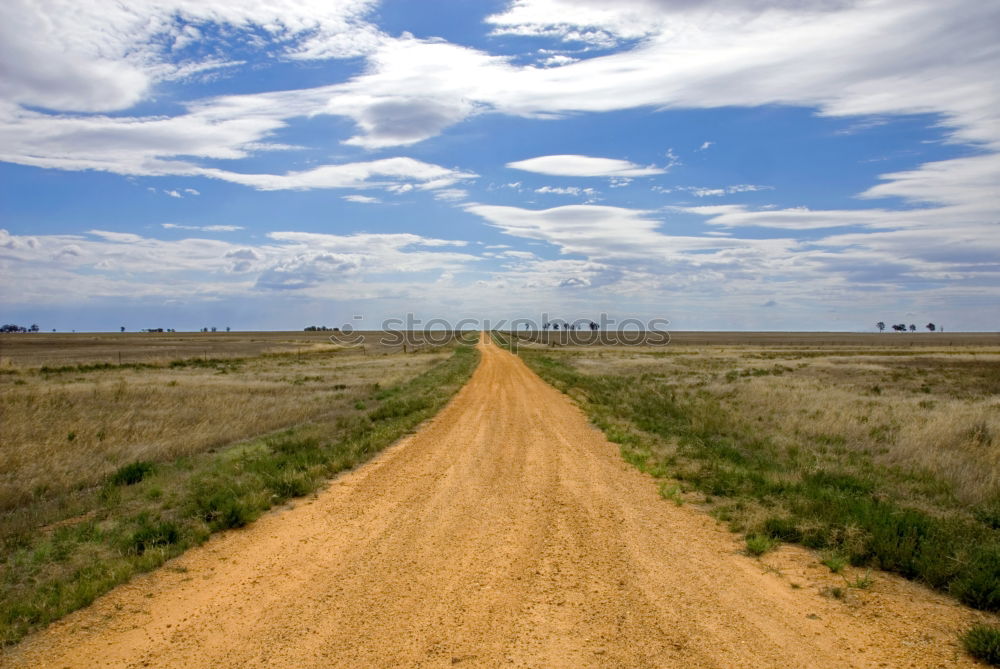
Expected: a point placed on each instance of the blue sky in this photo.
(738, 164)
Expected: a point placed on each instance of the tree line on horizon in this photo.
(902, 327)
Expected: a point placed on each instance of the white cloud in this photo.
(602, 232)
(164, 147)
(795, 218)
(75, 268)
(583, 166)
(558, 60)
(673, 160)
(103, 55)
(519, 255)
(842, 58)
(361, 199)
(568, 190)
(173, 193)
(396, 174)
(451, 194)
(701, 191)
(192, 191)
(850, 58)
(203, 228)
(705, 145)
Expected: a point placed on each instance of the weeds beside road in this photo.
(151, 509)
(879, 461)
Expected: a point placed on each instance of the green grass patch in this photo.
(144, 515)
(835, 562)
(131, 473)
(758, 544)
(983, 643)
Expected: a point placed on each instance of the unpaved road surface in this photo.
(506, 532)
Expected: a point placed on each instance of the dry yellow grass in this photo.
(70, 429)
(18, 351)
(931, 409)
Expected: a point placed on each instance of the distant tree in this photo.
(931, 327)
(593, 326)
(123, 328)
(881, 326)
(227, 328)
(899, 327)
(34, 328)
(913, 328)
(555, 326)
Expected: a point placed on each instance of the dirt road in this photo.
(507, 532)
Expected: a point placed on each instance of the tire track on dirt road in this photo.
(506, 532)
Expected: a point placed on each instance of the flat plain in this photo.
(108, 469)
(850, 476)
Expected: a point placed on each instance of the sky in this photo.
(722, 164)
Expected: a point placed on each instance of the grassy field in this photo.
(61, 350)
(110, 469)
(823, 341)
(881, 456)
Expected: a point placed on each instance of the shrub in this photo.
(132, 473)
(983, 643)
(150, 534)
(290, 484)
(783, 529)
(978, 585)
(758, 544)
(835, 562)
(220, 505)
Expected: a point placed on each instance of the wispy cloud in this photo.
(95, 265)
(567, 190)
(702, 191)
(203, 228)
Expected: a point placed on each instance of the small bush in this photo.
(221, 507)
(783, 529)
(150, 534)
(672, 493)
(290, 484)
(978, 585)
(983, 643)
(862, 582)
(835, 592)
(835, 562)
(758, 544)
(132, 473)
